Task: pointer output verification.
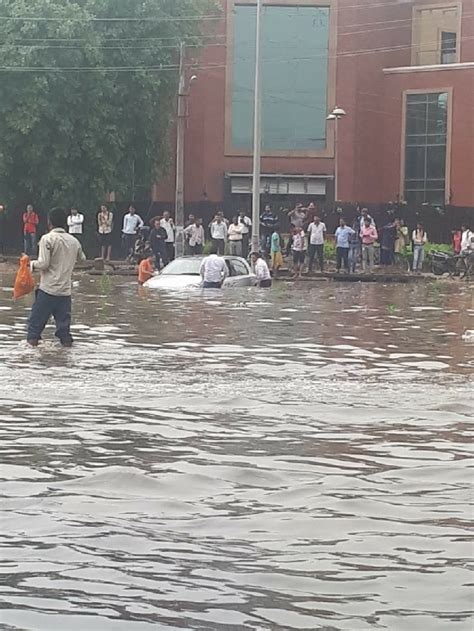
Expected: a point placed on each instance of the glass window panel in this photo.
(415, 163)
(436, 162)
(437, 115)
(295, 55)
(425, 147)
(416, 118)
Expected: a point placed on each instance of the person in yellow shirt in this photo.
(146, 269)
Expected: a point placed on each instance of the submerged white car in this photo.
(184, 273)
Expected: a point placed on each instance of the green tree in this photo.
(87, 90)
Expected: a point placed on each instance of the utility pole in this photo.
(257, 132)
(181, 130)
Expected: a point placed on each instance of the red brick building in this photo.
(403, 70)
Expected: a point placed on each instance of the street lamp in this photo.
(335, 116)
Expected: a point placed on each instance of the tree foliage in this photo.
(88, 93)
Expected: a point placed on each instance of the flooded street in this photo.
(297, 458)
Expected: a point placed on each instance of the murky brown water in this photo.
(287, 459)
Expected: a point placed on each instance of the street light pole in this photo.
(257, 132)
(335, 116)
(180, 138)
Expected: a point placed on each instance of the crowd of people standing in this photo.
(356, 242)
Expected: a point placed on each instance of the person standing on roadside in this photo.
(276, 247)
(168, 224)
(355, 246)
(58, 254)
(246, 224)
(75, 222)
(234, 234)
(195, 237)
(298, 247)
(268, 221)
(467, 240)
(105, 226)
(419, 239)
(369, 236)
(297, 216)
(131, 225)
(317, 233)
(343, 236)
(261, 270)
(3, 229)
(363, 216)
(30, 229)
(213, 270)
(158, 243)
(219, 234)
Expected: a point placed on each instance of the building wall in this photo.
(368, 37)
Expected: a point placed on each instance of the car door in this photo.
(239, 274)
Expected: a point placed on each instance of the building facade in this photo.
(402, 70)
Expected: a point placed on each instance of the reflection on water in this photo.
(285, 459)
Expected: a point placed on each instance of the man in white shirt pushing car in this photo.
(213, 270)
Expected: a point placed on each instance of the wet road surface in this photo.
(289, 459)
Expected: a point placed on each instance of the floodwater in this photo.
(296, 458)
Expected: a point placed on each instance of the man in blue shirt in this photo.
(343, 237)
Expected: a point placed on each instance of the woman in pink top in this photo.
(369, 236)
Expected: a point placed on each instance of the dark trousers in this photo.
(29, 243)
(220, 245)
(208, 285)
(265, 283)
(161, 255)
(129, 241)
(342, 256)
(316, 251)
(245, 245)
(169, 251)
(46, 306)
(196, 249)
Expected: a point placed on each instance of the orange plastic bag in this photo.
(24, 282)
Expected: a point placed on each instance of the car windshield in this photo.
(183, 267)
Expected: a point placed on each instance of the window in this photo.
(435, 35)
(448, 47)
(426, 135)
(295, 57)
(237, 268)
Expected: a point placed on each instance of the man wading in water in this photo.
(58, 254)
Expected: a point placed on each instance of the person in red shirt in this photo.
(146, 269)
(30, 226)
(457, 240)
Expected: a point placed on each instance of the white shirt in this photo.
(234, 232)
(218, 230)
(131, 223)
(75, 223)
(213, 269)
(418, 238)
(261, 270)
(168, 225)
(316, 233)
(195, 234)
(58, 254)
(467, 241)
(246, 224)
(298, 244)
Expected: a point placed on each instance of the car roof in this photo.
(226, 257)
